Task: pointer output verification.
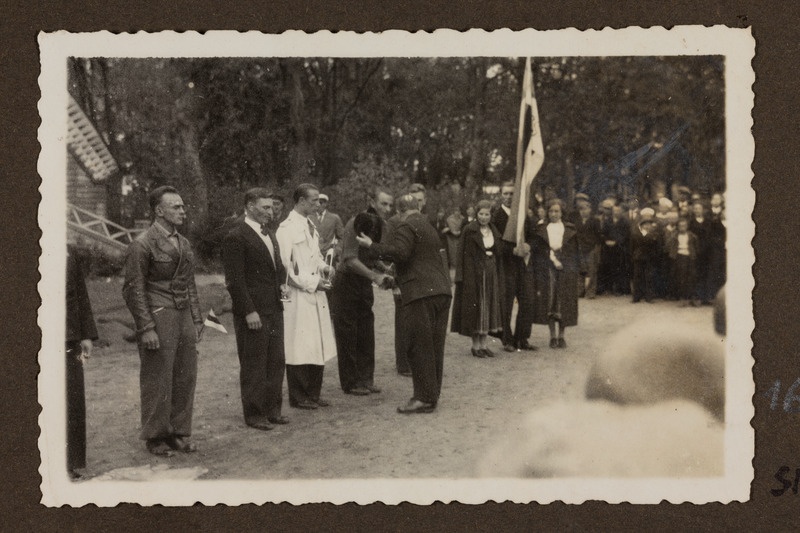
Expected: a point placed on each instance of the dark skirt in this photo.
(476, 304)
(452, 250)
(553, 295)
(489, 313)
(556, 296)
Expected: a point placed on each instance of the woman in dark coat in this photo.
(476, 306)
(554, 249)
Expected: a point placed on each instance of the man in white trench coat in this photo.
(308, 333)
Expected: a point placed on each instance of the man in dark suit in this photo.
(424, 283)
(589, 238)
(401, 349)
(700, 225)
(645, 246)
(160, 293)
(518, 280)
(614, 271)
(400, 338)
(351, 298)
(81, 331)
(253, 275)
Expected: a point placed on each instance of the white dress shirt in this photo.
(267, 241)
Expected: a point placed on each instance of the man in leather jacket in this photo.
(161, 295)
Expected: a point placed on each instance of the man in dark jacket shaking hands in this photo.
(424, 282)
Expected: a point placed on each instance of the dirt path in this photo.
(360, 437)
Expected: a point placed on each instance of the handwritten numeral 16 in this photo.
(791, 402)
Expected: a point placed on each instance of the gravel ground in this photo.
(356, 437)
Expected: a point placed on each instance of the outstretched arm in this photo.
(399, 247)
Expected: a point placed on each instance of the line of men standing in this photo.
(278, 279)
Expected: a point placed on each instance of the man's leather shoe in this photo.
(509, 348)
(159, 447)
(554, 343)
(478, 353)
(263, 426)
(306, 404)
(373, 389)
(321, 403)
(487, 352)
(415, 406)
(562, 343)
(358, 391)
(181, 444)
(278, 420)
(527, 346)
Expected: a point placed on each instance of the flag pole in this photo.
(530, 158)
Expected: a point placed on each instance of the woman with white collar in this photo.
(556, 266)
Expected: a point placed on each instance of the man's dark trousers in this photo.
(354, 326)
(261, 362)
(517, 283)
(427, 330)
(304, 383)
(400, 337)
(76, 408)
(168, 376)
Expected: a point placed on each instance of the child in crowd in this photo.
(682, 246)
(644, 252)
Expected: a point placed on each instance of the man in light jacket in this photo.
(308, 333)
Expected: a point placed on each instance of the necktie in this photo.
(268, 240)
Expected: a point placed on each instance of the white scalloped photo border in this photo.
(736, 45)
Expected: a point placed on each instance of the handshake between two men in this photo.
(382, 279)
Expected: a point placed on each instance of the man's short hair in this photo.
(276, 196)
(376, 191)
(302, 191)
(406, 203)
(256, 193)
(416, 187)
(582, 197)
(507, 184)
(158, 193)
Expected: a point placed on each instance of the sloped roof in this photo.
(85, 143)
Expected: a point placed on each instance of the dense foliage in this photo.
(216, 126)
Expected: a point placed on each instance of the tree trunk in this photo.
(302, 159)
(192, 181)
(569, 174)
(477, 157)
(106, 121)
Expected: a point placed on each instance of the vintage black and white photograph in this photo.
(453, 266)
